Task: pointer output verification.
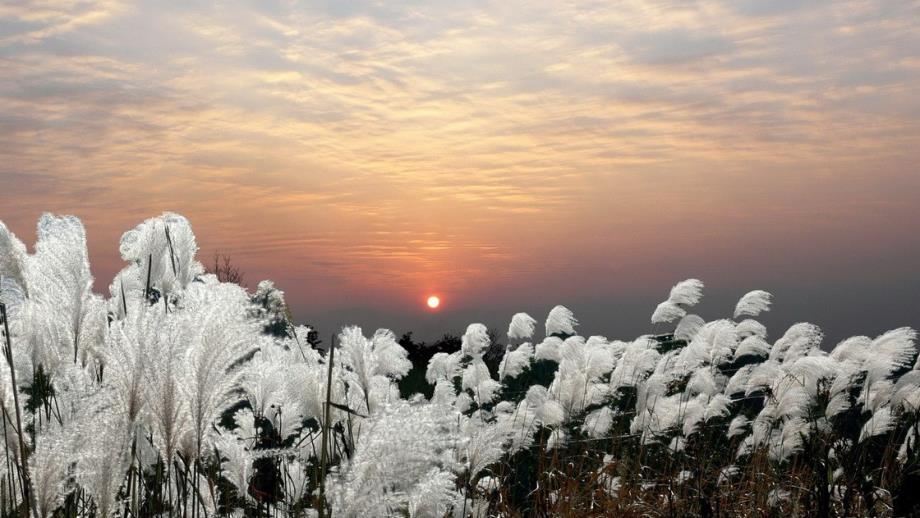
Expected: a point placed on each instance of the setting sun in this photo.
(434, 302)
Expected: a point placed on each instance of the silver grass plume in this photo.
(475, 341)
(433, 496)
(549, 349)
(890, 352)
(560, 321)
(217, 335)
(801, 339)
(637, 362)
(236, 461)
(688, 327)
(683, 295)
(753, 346)
(516, 362)
(906, 392)
(577, 383)
(163, 248)
(264, 377)
(443, 366)
(687, 293)
(667, 311)
(753, 303)
(521, 327)
(881, 422)
(388, 464)
(598, 422)
(374, 363)
(750, 327)
(163, 397)
(60, 289)
(13, 259)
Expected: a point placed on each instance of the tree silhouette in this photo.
(225, 270)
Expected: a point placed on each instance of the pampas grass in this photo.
(180, 395)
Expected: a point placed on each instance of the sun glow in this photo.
(434, 301)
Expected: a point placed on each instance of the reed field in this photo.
(176, 394)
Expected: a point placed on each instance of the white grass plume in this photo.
(475, 341)
(549, 349)
(753, 303)
(560, 321)
(389, 464)
(890, 352)
(751, 327)
(515, 362)
(667, 311)
(800, 339)
(688, 327)
(521, 327)
(687, 293)
(881, 422)
(443, 366)
(13, 259)
(753, 346)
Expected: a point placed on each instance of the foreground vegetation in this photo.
(182, 395)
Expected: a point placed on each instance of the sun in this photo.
(434, 301)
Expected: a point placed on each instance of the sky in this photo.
(508, 156)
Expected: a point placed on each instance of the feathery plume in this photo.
(687, 293)
(522, 326)
(475, 340)
(688, 327)
(667, 311)
(515, 362)
(560, 321)
(753, 303)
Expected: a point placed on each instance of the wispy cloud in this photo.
(388, 148)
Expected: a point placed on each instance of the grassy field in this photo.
(182, 395)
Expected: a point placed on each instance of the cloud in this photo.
(498, 134)
(674, 46)
(30, 22)
(777, 7)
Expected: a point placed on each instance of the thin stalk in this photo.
(172, 253)
(24, 453)
(9, 463)
(6, 449)
(140, 489)
(293, 332)
(129, 489)
(185, 490)
(76, 343)
(158, 484)
(124, 301)
(326, 416)
(195, 510)
(149, 268)
(169, 490)
(132, 487)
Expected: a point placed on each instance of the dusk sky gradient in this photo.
(507, 156)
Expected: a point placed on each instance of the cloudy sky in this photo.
(506, 155)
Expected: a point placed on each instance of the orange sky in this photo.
(506, 155)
